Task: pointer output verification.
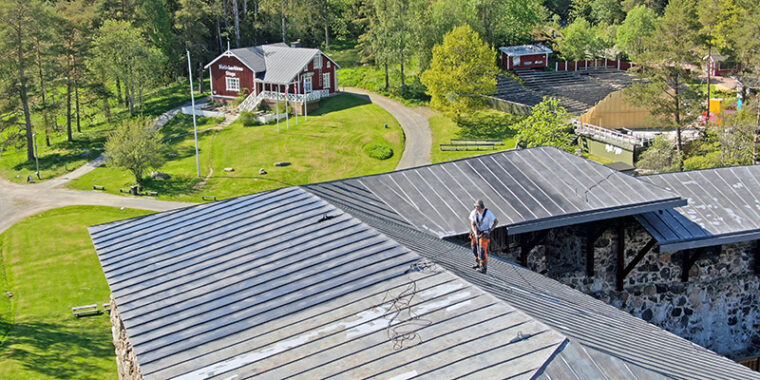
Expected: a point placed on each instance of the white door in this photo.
(307, 85)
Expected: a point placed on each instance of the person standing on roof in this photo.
(482, 221)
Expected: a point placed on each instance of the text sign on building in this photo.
(230, 68)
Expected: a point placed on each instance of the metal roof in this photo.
(521, 50)
(724, 207)
(528, 190)
(282, 284)
(616, 344)
(278, 62)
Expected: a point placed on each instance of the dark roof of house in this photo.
(274, 63)
(284, 284)
(619, 344)
(724, 207)
(528, 190)
(521, 50)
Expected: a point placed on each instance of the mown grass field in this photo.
(63, 156)
(443, 130)
(49, 266)
(330, 145)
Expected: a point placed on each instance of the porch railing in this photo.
(252, 101)
(608, 135)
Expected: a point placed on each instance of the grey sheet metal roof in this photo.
(604, 342)
(521, 50)
(279, 63)
(252, 56)
(528, 190)
(724, 207)
(283, 284)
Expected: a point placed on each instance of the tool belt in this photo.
(482, 235)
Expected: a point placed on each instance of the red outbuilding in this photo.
(525, 56)
(720, 65)
(273, 72)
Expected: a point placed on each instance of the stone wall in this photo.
(126, 362)
(718, 308)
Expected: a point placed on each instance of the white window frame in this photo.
(310, 87)
(326, 80)
(233, 84)
(318, 61)
(328, 64)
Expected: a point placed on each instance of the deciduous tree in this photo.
(547, 125)
(136, 147)
(462, 71)
(637, 27)
(123, 53)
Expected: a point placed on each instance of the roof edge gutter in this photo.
(610, 213)
(709, 241)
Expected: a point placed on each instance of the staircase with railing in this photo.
(252, 101)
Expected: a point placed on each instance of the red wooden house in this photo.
(273, 72)
(720, 65)
(525, 56)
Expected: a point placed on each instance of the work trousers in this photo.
(480, 246)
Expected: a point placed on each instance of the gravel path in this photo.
(20, 201)
(414, 122)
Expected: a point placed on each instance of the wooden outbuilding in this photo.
(534, 56)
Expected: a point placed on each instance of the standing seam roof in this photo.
(723, 208)
(614, 339)
(283, 284)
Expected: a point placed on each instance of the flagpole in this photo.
(195, 126)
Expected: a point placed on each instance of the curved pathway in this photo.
(20, 201)
(414, 122)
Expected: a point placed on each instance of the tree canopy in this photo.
(134, 146)
(462, 70)
(547, 125)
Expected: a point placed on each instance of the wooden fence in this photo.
(592, 64)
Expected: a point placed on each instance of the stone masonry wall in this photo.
(718, 308)
(126, 362)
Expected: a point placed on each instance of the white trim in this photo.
(229, 53)
(337, 66)
(327, 82)
(224, 96)
(314, 61)
(311, 84)
(211, 81)
(234, 80)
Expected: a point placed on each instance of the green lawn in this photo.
(49, 266)
(444, 129)
(329, 146)
(63, 156)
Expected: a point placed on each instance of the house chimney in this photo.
(296, 43)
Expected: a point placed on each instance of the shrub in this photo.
(378, 151)
(248, 119)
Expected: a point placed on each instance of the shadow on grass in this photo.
(488, 125)
(56, 350)
(339, 103)
(55, 160)
(175, 186)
